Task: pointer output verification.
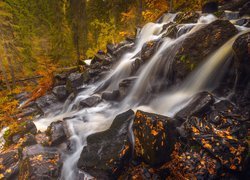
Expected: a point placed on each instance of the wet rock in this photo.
(230, 15)
(125, 85)
(222, 134)
(171, 31)
(44, 102)
(243, 22)
(110, 48)
(60, 92)
(107, 152)
(111, 96)
(30, 111)
(56, 133)
(40, 165)
(210, 6)
(148, 50)
(74, 81)
(28, 140)
(154, 137)
(122, 48)
(102, 58)
(136, 64)
(90, 101)
(186, 17)
(13, 135)
(193, 162)
(199, 104)
(233, 5)
(60, 79)
(191, 53)
(245, 10)
(9, 164)
(21, 97)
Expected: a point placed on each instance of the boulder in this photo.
(154, 137)
(60, 79)
(39, 164)
(199, 104)
(111, 96)
(74, 81)
(243, 22)
(90, 101)
(125, 86)
(148, 49)
(210, 6)
(245, 10)
(56, 133)
(233, 5)
(60, 92)
(186, 17)
(43, 103)
(222, 134)
(107, 152)
(193, 51)
(122, 47)
(136, 64)
(171, 31)
(231, 15)
(28, 140)
(9, 164)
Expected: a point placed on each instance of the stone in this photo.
(125, 85)
(148, 49)
(90, 101)
(43, 103)
(9, 164)
(186, 17)
(56, 133)
(210, 6)
(60, 92)
(233, 5)
(191, 53)
(107, 152)
(245, 10)
(74, 81)
(199, 104)
(111, 96)
(136, 64)
(154, 137)
(29, 139)
(171, 31)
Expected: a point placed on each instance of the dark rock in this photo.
(230, 15)
(136, 64)
(186, 17)
(21, 97)
(122, 48)
(154, 137)
(30, 111)
(193, 162)
(29, 139)
(100, 58)
(125, 86)
(222, 134)
(43, 165)
(60, 79)
(245, 10)
(56, 133)
(94, 72)
(9, 164)
(199, 104)
(110, 48)
(14, 135)
(60, 92)
(44, 102)
(111, 96)
(210, 6)
(90, 101)
(233, 5)
(74, 81)
(148, 50)
(243, 22)
(171, 31)
(192, 53)
(107, 152)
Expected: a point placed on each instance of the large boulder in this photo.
(74, 81)
(233, 5)
(245, 10)
(38, 164)
(199, 104)
(60, 92)
(45, 102)
(9, 164)
(56, 133)
(149, 49)
(107, 152)
(186, 17)
(221, 133)
(210, 6)
(193, 50)
(125, 85)
(90, 101)
(154, 137)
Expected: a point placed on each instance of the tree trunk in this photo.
(139, 12)
(5, 75)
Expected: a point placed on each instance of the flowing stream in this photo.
(82, 123)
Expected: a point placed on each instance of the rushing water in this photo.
(82, 123)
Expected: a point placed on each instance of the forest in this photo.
(124, 89)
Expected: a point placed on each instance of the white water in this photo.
(95, 119)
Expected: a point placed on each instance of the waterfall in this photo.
(82, 123)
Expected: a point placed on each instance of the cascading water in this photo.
(82, 123)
